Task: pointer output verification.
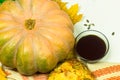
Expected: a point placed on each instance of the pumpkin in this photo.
(34, 35)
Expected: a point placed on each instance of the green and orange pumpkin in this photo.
(34, 35)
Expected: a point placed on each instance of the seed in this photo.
(85, 25)
(87, 21)
(113, 33)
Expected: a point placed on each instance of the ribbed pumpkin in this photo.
(34, 35)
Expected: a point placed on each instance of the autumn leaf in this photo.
(2, 75)
(72, 11)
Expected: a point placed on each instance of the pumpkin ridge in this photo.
(52, 44)
(11, 21)
(45, 38)
(8, 35)
(50, 5)
(18, 4)
(49, 48)
(10, 11)
(61, 38)
(34, 12)
(6, 29)
(23, 60)
(17, 39)
(62, 16)
(35, 54)
(33, 9)
(61, 43)
(16, 50)
(25, 4)
(18, 44)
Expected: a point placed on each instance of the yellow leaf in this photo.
(72, 11)
(2, 74)
(77, 18)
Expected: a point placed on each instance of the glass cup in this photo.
(91, 46)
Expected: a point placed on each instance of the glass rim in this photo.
(106, 43)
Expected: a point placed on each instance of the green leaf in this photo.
(1, 1)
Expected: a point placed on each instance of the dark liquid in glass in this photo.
(91, 47)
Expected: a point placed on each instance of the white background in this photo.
(105, 14)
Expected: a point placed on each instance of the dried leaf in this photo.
(72, 11)
(77, 18)
(2, 75)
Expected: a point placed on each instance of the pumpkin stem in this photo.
(29, 24)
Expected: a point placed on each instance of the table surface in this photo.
(105, 14)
